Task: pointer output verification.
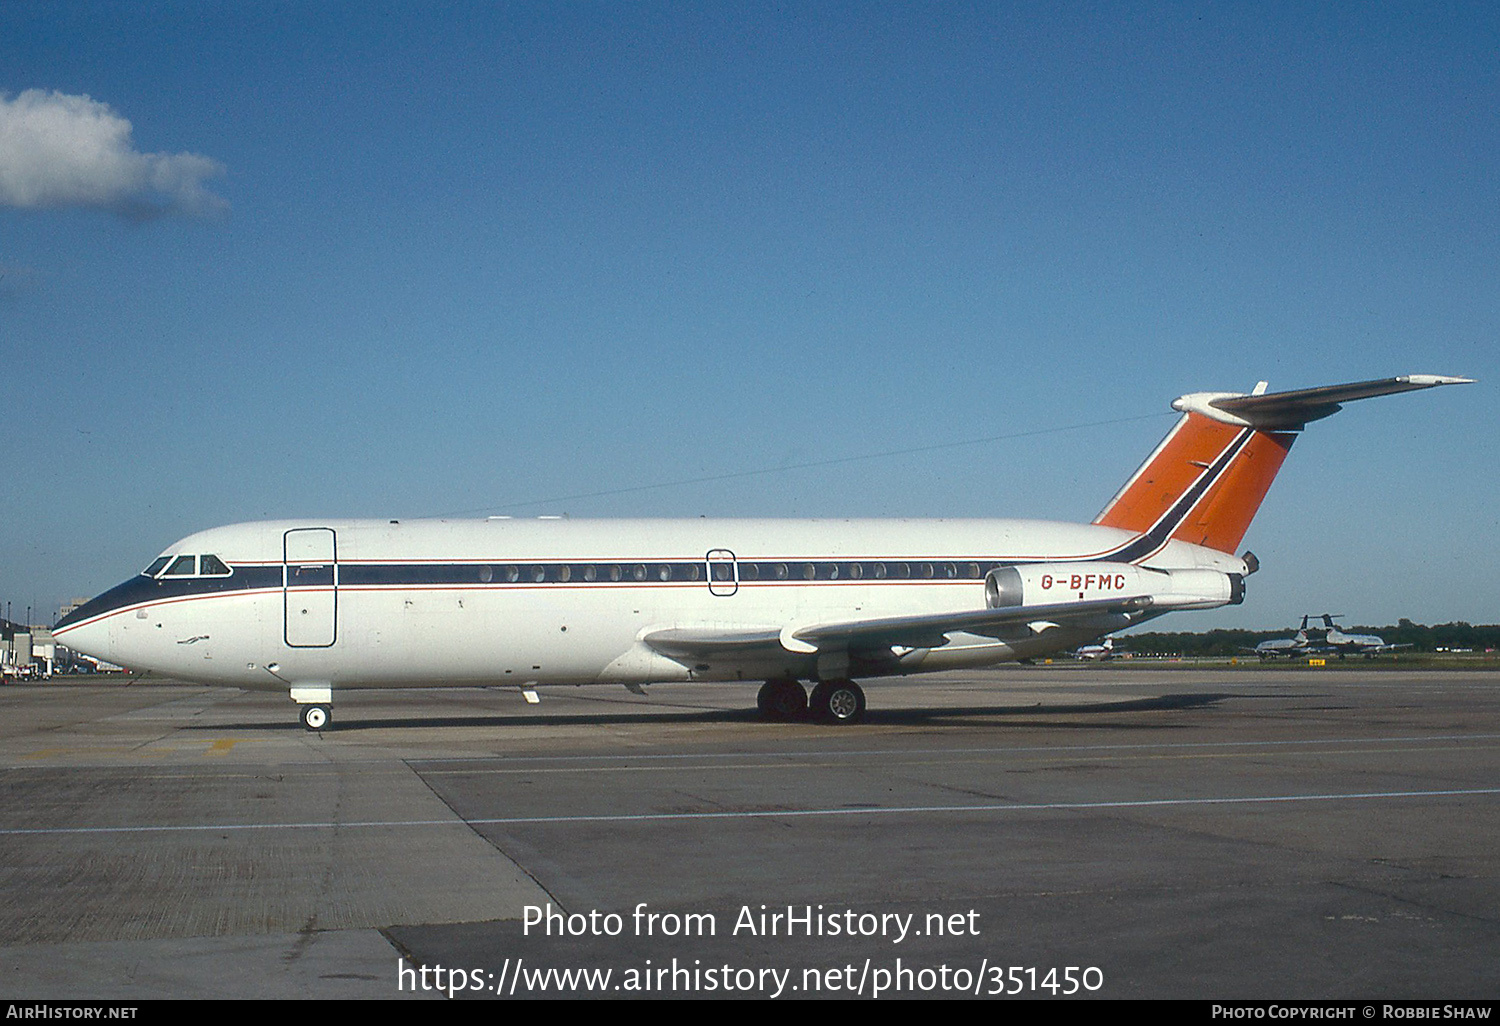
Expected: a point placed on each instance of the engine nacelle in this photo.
(1047, 584)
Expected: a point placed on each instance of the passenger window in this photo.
(183, 567)
(156, 565)
(212, 566)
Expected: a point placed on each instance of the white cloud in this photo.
(72, 151)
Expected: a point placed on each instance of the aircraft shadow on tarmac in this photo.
(351, 721)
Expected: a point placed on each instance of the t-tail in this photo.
(1207, 478)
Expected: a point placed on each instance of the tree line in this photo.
(1224, 642)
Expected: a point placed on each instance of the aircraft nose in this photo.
(90, 639)
(87, 628)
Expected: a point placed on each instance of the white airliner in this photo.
(1297, 644)
(1100, 652)
(1360, 644)
(313, 607)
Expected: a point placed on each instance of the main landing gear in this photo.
(832, 701)
(837, 701)
(781, 701)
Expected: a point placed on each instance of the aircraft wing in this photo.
(705, 642)
(931, 630)
(928, 630)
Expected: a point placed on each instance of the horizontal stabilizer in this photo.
(1289, 411)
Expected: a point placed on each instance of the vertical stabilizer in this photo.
(1205, 481)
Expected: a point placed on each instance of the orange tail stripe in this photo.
(1179, 461)
(1222, 517)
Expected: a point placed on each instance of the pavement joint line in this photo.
(1138, 803)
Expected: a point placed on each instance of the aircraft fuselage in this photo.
(366, 603)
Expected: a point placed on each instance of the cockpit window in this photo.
(212, 566)
(156, 565)
(183, 566)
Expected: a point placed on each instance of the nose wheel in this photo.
(315, 717)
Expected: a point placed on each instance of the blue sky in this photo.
(396, 260)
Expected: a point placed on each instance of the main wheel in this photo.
(781, 700)
(315, 717)
(838, 701)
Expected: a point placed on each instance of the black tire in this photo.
(838, 701)
(315, 717)
(782, 701)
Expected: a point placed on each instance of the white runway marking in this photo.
(649, 817)
(885, 752)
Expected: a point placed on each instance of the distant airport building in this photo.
(15, 650)
(70, 606)
(26, 651)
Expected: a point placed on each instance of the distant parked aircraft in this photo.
(1104, 650)
(1296, 645)
(1359, 644)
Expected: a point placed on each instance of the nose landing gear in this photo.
(314, 705)
(315, 717)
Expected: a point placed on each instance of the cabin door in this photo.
(310, 587)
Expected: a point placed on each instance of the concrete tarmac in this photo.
(1185, 833)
